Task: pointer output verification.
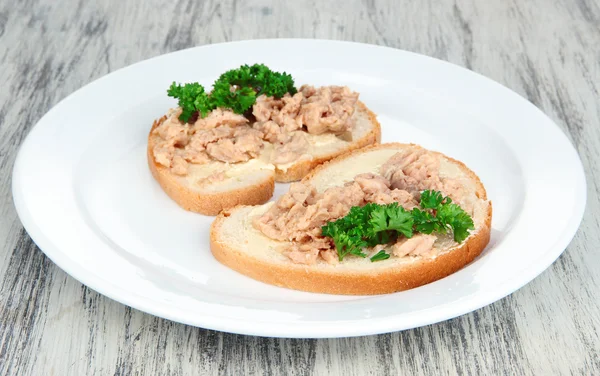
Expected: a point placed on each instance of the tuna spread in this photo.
(278, 127)
(298, 215)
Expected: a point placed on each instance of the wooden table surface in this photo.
(546, 50)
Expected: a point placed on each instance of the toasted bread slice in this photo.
(252, 182)
(238, 245)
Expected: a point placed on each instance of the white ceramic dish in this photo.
(85, 195)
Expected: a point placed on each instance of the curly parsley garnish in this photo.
(261, 79)
(191, 97)
(235, 89)
(375, 224)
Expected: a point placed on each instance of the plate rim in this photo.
(128, 298)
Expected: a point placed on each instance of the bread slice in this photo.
(249, 183)
(238, 245)
(252, 182)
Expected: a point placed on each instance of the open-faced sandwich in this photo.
(377, 220)
(228, 146)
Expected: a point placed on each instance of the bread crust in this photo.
(213, 203)
(206, 203)
(356, 282)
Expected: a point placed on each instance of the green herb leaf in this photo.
(391, 217)
(238, 100)
(261, 79)
(399, 219)
(379, 219)
(460, 222)
(425, 222)
(347, 233)
(381, 255)
(432, 199)
(278, 84)
(191, 98)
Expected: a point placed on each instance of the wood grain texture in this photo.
(545, 50)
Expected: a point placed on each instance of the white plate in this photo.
(84, 193)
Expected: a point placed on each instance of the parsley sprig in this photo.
(261, 79)
(191, 97)
(375, 224)
(235, 89)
